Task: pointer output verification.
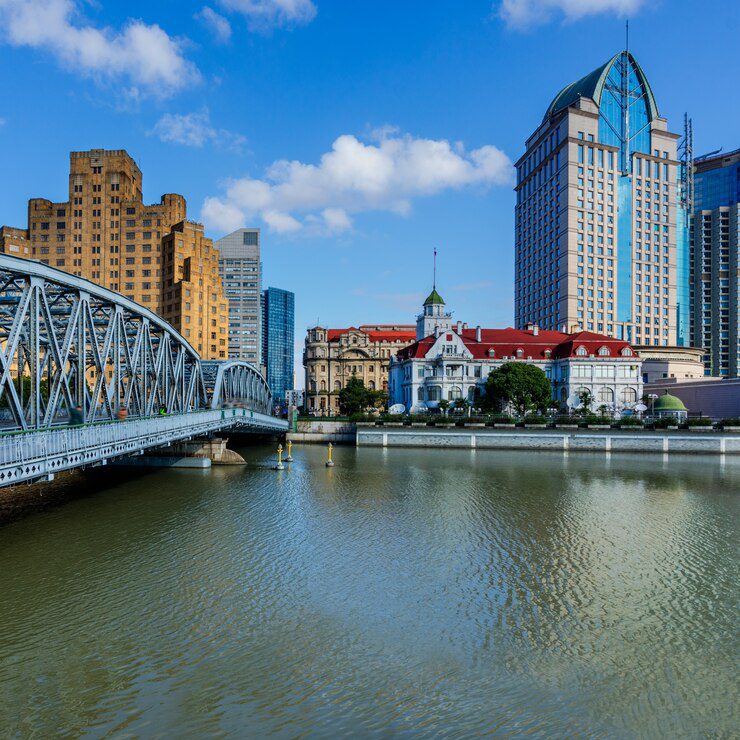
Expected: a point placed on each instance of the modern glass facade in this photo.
(278, 337)
(715, 263)
(625, 110)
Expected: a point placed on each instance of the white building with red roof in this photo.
(454, 363)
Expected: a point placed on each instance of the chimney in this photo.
(436, 331)
(459, 327)
(564, 328)
(535, 330)
(465, 325)
(477, 333)
(530, 325)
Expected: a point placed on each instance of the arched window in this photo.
(323, 385)
(606, 395)
(603, 351)
(454, 393)
(548, 353)
(337, 385)
(371, 385)
(434, 392)
(629, 395)
(420, 394)
(626, 352)
(563, 394)
(581, 351)
(313, 386)
(520, 352)
(491, 352)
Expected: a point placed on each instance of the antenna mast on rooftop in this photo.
(686, 155)
(434, 272)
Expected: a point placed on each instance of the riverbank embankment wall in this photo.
(616, 441)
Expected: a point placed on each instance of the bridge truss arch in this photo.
(67, 342)
(236, 383)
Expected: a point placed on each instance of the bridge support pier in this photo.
(213, 449)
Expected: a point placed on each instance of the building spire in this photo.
(627, 35)
(434, 273)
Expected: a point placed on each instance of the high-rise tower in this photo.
(241, 270)
(715, 262)
(597, 212)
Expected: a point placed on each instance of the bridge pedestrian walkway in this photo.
(28, 456)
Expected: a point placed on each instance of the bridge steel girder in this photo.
(25, 457)
(65, 341)
(236, 383)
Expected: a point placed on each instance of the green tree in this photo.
(377, 399)
(444, 404)
(24, 383)
(523, 386)
(586, 399)
(354, 397)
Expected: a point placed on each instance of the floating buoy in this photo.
(289, 457)
(280, 465)
(330, 462)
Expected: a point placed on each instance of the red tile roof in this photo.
(378, 333)
(506, 342)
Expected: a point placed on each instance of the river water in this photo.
(402, 592)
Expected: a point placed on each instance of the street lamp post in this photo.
(652, 397)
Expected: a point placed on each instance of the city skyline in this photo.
(311, 95)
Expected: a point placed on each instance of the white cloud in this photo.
(150, 60)
(195, 129)
(272, 13)
(215, 23)
(523, 14)
(354, 177)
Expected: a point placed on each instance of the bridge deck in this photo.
(26, 456)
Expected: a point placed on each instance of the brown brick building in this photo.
(149, 253)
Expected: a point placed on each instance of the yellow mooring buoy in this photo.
(280, 465)
(330, 462)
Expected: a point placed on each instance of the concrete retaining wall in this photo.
(676, 442)
(316, 432)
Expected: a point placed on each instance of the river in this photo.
(402, 592)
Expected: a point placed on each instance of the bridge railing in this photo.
(31, 454)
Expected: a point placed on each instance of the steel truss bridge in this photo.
(70, 347)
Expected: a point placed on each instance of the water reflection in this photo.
(454, 592)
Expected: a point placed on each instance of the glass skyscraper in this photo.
(278, 333)
(715, 262)
(599, 242)
(240, 268)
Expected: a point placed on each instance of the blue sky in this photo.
(358, 135)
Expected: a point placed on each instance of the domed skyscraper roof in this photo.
(603, 78)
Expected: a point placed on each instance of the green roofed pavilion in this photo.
(434, 298)
(667, 402)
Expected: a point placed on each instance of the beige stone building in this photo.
(149, 253)
(332, 356)
(597, 223)
(667, 363)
